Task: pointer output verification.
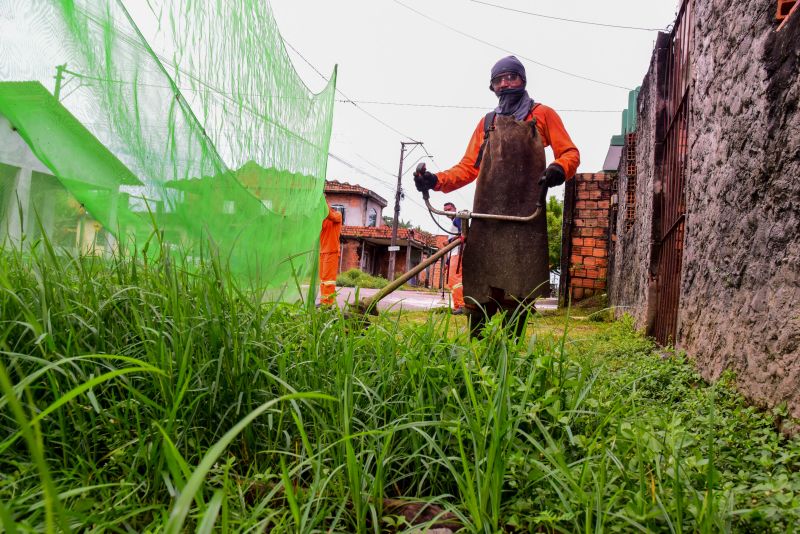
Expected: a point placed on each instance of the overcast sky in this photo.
(388, 53)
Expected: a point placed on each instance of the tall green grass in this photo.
(139, 396)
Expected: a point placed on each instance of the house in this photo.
(365, 237)
(40, 138)
(358, 205)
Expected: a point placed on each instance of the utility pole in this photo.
(393, 248)
(59, 78)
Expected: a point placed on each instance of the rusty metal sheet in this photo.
(673, 177)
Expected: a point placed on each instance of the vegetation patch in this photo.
(141, 397)
(358, 278)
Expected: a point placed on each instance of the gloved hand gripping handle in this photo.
(421, 169)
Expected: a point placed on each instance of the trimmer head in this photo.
(363, 307)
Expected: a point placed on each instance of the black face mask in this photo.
(514, 102)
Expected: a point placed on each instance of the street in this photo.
(412, 300)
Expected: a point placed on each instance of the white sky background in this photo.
(388, 53)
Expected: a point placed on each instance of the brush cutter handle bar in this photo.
(466, 214)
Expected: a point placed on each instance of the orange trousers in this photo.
(328, 268)
(455, 283)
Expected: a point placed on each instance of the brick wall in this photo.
(588, 239)
(351, 255)
(436, 281)
(432, 276)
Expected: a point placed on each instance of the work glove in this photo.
(553, 176)
(424, 179)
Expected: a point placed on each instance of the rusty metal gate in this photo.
(670, 208)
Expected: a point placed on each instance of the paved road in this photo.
(410, 300)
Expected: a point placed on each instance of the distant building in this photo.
(366, 238)
(358, 205)
(32, 200)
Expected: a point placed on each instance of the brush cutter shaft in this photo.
(369, 304)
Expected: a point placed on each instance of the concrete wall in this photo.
(740, 278)
(741, 269)
(631, 282)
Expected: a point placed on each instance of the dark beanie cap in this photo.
(508, 64)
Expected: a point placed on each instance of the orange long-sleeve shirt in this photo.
(331, 230)
(553, 134)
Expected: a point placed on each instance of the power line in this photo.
(362, 171)
(562, 19)
(214, 90)
(433, 161)
(456, 106)
(135, 41)
(347, 98)
(373, 165)
(507, 51)
(355, 103)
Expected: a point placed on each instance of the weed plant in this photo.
(142, 397)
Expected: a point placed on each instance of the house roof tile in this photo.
(419, 237)
(334, 186)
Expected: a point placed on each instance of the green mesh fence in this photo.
(120, 117)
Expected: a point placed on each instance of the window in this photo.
(372, 220)
(340, 209)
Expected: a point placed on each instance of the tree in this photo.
(555, 215)
(389, 220)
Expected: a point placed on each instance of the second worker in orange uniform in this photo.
(329, 256)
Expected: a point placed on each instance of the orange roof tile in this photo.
(385, 232)
(334, 186)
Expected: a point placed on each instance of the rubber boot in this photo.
(478, 314)
(519, 312)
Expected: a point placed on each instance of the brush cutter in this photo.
(370, 305)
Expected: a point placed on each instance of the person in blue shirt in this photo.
(454, 263)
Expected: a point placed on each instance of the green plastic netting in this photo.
(119, 117)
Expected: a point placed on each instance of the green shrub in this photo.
(357, 278)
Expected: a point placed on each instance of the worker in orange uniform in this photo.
(454, 264)
(329, 256)
(508, 82)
